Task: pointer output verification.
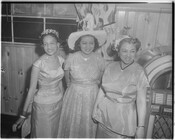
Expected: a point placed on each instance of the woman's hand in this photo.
(18, 124)
(140, 132)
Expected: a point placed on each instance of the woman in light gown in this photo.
(120, 108)
(83, 71)
(47, 101)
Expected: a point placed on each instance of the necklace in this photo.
(125, 66)
(84, 58)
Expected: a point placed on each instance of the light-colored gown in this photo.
(78, 102)
(46, 107)
(116, 110)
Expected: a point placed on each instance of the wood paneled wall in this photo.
(153, 26)
(16, 61)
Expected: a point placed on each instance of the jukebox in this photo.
(159, 119)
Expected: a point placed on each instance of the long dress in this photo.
(46, 107)
(116, 109)
(78, 102)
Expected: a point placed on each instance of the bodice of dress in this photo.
(49, 81)
(123, 84)
(84, 71)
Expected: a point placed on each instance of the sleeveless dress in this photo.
(78, 102)
(116, 110)
(46, 107)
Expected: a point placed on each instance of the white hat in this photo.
(100, 35)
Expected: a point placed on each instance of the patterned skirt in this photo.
(76, 116)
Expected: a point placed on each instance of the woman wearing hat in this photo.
(120, 108)
(83, 71)
(47, 72)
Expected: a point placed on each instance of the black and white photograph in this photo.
(87, 69)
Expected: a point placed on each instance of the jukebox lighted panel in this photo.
(159, 119)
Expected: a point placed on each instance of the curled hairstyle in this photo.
(113, 50)
(130, 40)
(50, 32)
(77, 43)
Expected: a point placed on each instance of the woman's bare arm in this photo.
(141, 109)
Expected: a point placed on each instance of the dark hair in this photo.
(77, 43)
(130, 40)
(112, 52)
(65, 47)
(51, 34)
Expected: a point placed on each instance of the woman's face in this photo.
(127, 53)
(87, 44)
(50, 45)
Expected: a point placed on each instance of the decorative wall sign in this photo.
(95, 16)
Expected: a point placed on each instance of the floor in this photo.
(6, 127)
(161, 125)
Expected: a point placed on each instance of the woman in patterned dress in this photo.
(83, 71)
(47, 101)
(120, 108)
